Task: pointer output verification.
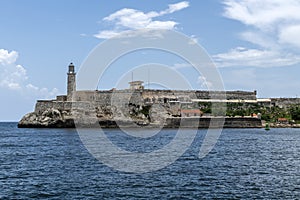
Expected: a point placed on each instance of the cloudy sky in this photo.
(255, 44)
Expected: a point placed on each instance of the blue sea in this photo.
(244, 164)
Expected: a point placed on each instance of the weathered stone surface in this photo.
(215, 122)
(50, 118)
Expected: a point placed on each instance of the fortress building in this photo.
(144, 106)
(138, 95)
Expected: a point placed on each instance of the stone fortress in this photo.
(137, 106)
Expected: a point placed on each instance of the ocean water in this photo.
(244, 164)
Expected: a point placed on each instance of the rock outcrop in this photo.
(50, 118)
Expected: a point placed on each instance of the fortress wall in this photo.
(136, 98)
(242, 122)
(119, 98)
(67, 105)
(241, 95)
(59, 105)
(183, 95)
(42, 105)
(62, 105)
(83, 106)
(139, 97)
(228, 94)
(106, 97)
(103, 98)
(284, 102)
(158, 96)
(84, 95)
(230, 122)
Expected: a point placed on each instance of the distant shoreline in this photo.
(281, 125)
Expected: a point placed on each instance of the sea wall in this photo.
(193, 122)
(216, 122)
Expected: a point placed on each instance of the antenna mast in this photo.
(148, 78)
(131, 76)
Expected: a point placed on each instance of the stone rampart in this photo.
(42, 105)
(284, 102)
(122, 98)
(205, 122)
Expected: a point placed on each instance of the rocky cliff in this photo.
(53, 118)
(50, 118)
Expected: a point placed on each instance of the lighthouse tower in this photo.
(71, 85)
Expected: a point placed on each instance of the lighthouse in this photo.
(71, 84)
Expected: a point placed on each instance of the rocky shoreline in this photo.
(53, 118)
(281, 125)
(50, 118)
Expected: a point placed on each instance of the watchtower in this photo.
(136, 85)
(71, 85)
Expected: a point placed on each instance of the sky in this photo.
(254, 44)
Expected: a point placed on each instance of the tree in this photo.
(295, 112)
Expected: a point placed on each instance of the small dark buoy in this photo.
(267, 127)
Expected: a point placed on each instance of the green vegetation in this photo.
(295, 112)
(270, 114)
(273, 113)
(205, 107)
(145, 110)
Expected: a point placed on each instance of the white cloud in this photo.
(42, 92)
(290, 35)
(177, 6)
(254, 57)
(204, 83)
(161, 25)
(272, 25)
(14, 76)
(259, 39)
(107, 34)
(11, 74)
(262, 14)
(7, 58)
(131, 19)
(32, 87)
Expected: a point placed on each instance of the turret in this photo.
(71, 85)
